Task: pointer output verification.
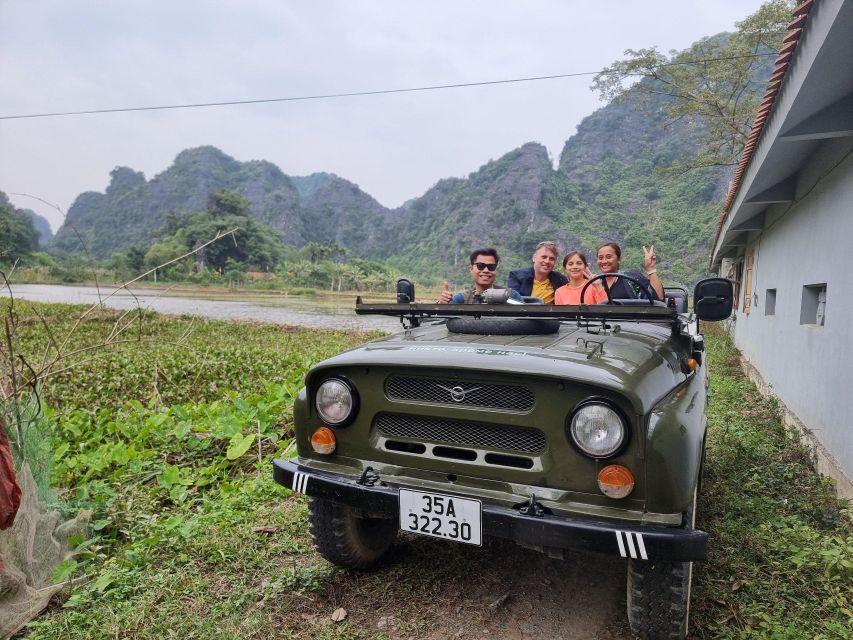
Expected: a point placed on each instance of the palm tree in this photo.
(339, 271)
(356, 275)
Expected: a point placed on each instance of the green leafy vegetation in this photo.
(167, 434)
(676, 214)
(251, 245)
(781, 550)
(18, 235)
(722, 97)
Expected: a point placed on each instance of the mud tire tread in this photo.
(659, 595)
(657, 599)
(344, 538)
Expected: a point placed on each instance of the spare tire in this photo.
(503, 326)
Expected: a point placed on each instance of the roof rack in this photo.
(414, 312)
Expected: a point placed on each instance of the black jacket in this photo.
(522, 280)
(626, 289)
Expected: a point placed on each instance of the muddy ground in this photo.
(432, 590)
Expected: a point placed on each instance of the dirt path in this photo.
(430, 590)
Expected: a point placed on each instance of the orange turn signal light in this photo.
(323, 440)
(616, 481)
(692, 364)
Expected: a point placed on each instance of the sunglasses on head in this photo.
(485, 265)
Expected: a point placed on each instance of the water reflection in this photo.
(325, 313)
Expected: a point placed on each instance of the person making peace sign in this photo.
(610, 254)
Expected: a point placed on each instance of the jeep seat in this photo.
(679, 295)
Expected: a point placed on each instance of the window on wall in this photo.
(747, 282)
(736, 278)
(813, 306)
(770, 302)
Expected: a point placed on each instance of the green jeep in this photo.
(558, 427)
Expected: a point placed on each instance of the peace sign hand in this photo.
(649, 258)
(589, 275)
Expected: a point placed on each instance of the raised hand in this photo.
(445, 295)
(650, 259)
(589, 275)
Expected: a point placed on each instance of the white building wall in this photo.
(810, 368)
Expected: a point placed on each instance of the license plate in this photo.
(440, 516)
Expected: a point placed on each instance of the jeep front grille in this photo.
(459, 393)
(459, 432)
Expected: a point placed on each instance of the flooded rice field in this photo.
(320, 311)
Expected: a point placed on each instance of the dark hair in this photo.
(579, 255)
(614, 246)
(484, 252)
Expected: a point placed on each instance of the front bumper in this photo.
(641, 542)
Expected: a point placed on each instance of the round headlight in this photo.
(335, 401)
(597, 430)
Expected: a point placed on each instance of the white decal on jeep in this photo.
(630, 538)
(300, 482)
(485, 352)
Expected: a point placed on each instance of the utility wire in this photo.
(327, 96)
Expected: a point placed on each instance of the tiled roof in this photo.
(795, 29)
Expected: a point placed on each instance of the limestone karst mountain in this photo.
(609, 184)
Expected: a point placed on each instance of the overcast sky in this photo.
(57, 55)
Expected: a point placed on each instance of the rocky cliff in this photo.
(610, 185)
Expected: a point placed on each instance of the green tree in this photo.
(353, 276)
(713, 83)
(227, 203)
(135, 258)
(234, 274)
(172, 221)
(18, 235)
(316, 252)
(162, 252)
(337, 272)
(251, 245)
(127, 263)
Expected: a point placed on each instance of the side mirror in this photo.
(713, 299)
(405, 291)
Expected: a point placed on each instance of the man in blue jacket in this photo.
(540, 280)
(484, 266)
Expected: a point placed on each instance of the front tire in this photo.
(659, 598)
(659, 594)
(347, 539)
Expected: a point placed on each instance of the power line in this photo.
(352, 94)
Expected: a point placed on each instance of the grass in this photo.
(169, 437)
(781, 552)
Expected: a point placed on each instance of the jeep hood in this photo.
(638, 361)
